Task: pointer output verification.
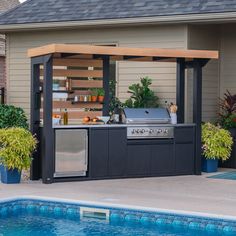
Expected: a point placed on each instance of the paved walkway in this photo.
(187, 193)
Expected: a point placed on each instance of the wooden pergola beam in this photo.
(121, 51)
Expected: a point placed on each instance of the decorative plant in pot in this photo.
(11, 116)
(94, 94)
(101, 94)
(141, 95)
(216, 145)
(227, 119)
(16, 147)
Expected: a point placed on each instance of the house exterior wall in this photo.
(205, 37)
(163, 74)
(228, 59)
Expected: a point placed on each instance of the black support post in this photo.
(48, 134)
(35, 171)
(180, 89)
(106, 75)
(197, 111)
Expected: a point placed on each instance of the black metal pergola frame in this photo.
(185, 59)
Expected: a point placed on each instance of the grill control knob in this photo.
(151, 131)
(166, 131)
(159, 131)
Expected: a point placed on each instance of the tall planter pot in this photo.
(231, 162)
(10, 176)
(209, 165)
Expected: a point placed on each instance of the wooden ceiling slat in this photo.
(77, 62)
(87, 83)
(76, 73)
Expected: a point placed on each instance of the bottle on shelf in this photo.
(68, 84)
(65, 117)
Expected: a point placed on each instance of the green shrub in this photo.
(228, 122)
(11, 116)
(16, 147)
(216, 142)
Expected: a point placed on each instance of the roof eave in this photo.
(190, 18)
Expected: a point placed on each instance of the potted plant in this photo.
(101, 94)
(216, 145)
(227, 119)
(141, 95)
(94, 94)
(11, 116)
(16, 147)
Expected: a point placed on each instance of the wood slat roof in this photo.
(120, 53)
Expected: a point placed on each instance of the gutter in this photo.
(175, 19)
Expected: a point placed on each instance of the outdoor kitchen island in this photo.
(112, 155)
(87, 152)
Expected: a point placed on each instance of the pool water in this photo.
(38, 225)
(27, 217)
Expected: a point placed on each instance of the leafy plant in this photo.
(141, 95)
(229, 121)
(115, 102)
(227, 113)
(228, 104)
(11, 116)
(216, 142)
(94, 91)
(101, 92)
(16, 147)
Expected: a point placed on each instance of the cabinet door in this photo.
(138, 160)
(98, 152)
(162, 159)
(117, 151)
(184, 158)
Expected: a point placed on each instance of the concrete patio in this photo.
(184, 193)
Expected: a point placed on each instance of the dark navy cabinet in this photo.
(117, 146)
(138, 159)
(98, 152)
(107, 152)
(162, 158)
(184, 150)
(111, 155)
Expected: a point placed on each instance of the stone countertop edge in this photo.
(118, 125)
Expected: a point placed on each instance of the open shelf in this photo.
(63, 91)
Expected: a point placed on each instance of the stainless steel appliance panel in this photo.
(150, 132)
(71, 152)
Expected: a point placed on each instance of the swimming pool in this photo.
(44, 217)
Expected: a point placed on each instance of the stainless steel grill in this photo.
(150, 123)
(146, 116)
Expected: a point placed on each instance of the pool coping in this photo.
(122, 206)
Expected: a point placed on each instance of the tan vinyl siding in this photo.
(228, 59)
(205, 37)
(163, 74)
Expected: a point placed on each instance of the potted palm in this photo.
(216, 145)
(16, 147)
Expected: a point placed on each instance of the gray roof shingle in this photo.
(39, 11)
(7, 4)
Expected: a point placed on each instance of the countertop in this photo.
(117, 125)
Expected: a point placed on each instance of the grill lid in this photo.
(147, 115)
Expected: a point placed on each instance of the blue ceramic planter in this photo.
(10, 176)
(209, 165)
